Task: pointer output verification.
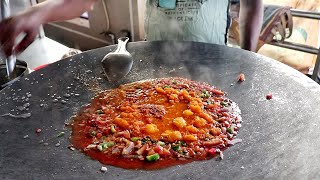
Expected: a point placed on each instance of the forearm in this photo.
(251, 16)
(59, 10)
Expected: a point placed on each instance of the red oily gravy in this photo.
(156, 123)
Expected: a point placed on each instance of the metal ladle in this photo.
(118, 63)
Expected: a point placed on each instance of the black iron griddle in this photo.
(280, 136)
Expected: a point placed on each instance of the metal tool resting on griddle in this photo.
(10, 60)
(118, 63)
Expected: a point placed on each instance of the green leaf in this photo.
(175, 147)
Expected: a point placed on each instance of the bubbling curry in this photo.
(156, 123)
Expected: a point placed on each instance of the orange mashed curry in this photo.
(156, 123)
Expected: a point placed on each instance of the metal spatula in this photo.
(10, 60)
(11, 66)
(118, 63)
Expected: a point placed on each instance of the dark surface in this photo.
(280, 136)
(21, 70)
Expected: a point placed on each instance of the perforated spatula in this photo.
(118, 63)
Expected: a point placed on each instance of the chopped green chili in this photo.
(134, 139)
(99, 111)
(161, 143)
(153, 157)
(60, 134)
(109, 144)
(93, 133)
(113, 129)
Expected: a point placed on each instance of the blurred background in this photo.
(111, 19)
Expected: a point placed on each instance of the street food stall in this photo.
(279, 109)
(279, 136)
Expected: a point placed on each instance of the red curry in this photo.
(156, 123)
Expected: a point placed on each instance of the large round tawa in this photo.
(280, 136)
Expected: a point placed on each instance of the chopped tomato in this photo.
(38, 130)
(212, 151)
(241, 77)
(99, 135)
(158, 149)
(269, 96)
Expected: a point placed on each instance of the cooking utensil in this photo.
(118, 63)
(5, 9)
(21, 69)
(10, 60)
(273, 131)
(11, 66)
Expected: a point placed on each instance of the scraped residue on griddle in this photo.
(156, 123)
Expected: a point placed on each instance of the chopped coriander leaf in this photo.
(205, 94)
(182, 143)
(230, 130)
(175, 147)
(224, 104)
(153, 157)
(174, 82)
(145, 140)
(166, 86)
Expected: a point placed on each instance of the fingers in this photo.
(10, 29)
(270, 36)
(7, 35)
(283, 20)
(26, 41)
(281, 31)
(290, 23)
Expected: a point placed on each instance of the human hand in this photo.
(10, 28)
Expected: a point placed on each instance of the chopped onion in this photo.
(142, 149)
(103, 169)
(234, 141)
(221, 154)
(91, 146)
(128, 149)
